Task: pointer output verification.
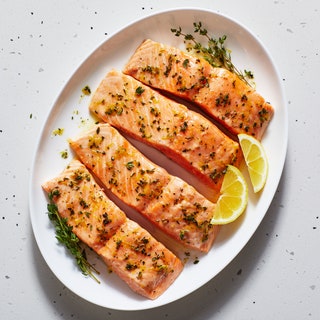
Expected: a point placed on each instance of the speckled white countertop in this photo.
(276, 275)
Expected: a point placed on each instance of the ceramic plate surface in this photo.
(70, 112)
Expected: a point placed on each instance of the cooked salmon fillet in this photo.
(220, 93)
(183, 135)
(93, 217)
(145, 264)
(167, 201)
(130, 251)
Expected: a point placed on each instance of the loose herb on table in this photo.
(215, 52)
(66, 237)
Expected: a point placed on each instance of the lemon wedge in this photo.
(233, 197)
(256, 160)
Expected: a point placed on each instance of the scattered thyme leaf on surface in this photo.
(66, 237)
(215, 52)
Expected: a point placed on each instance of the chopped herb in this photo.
(169, 66)
(154, 111)
(64, 154)
(263, 115)
(118, 244)
(248, 74)
(185, 63)
(139, 91)
(117, 109)
(145, 240)
(130, 165)
(223, 100)
(184, 126)
(86, 91)
(130, 266)
(215, 52)
(244, 98)
(58, 132)
(54, 193)
(182, 234)
(66, 237)
(84, 204)
(106, 219)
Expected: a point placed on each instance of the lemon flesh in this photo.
(233, 197)
(256, 160)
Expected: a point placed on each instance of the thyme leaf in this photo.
(66, 237)
(215, 52)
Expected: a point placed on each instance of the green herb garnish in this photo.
(66, 237)
(130, 165)
(58, 132)
(215, 52)
(86, 91)
(64, 154)
(139, 91)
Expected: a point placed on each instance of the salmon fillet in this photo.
(145, 264)
(220, 93)
(183, 135)
(167, 201)
(93, 217)
(130, 251)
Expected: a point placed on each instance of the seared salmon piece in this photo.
(220, 93)
(142, 262)
(183, 135)
(168, 202)
(146, 265)
(93, 217)
(185, 215)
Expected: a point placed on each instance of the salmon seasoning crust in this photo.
(220, 93)
(183, 135)
(168, 202)
(146, 265)
(130, 251)
(79, 199)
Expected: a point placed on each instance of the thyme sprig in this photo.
(66, 237)
(215, 52)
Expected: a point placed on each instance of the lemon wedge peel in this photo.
(233, 198)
